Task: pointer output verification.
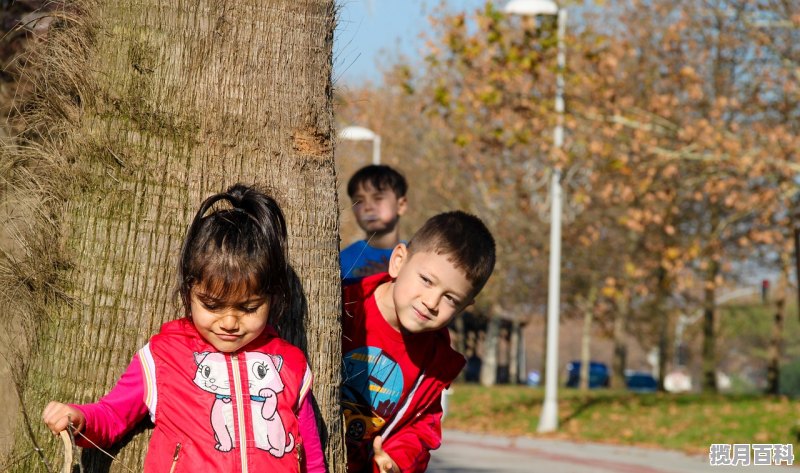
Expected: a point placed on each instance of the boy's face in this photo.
(377, 211)
(428, 290)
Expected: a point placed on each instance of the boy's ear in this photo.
(402, 205)
(398, 259)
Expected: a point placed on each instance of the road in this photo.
(473, 453)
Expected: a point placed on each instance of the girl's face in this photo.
(228, 324)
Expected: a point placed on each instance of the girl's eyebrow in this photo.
(209, 298)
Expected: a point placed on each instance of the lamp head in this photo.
(531, 7)
(357, 133)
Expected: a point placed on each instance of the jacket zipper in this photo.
(175, 458)
(237, 385)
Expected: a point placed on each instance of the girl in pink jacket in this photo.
(224, 392)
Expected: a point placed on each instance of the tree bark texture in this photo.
(148, 107)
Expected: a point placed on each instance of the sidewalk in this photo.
(463, 452)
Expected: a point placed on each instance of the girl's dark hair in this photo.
(237, 248)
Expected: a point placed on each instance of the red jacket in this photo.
(223, 411)
(414, 426)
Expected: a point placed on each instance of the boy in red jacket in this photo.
(397, 354)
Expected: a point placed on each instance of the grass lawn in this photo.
(688, 422)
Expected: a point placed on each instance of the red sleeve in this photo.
(110, 418)
(314, 460)
(410, 446)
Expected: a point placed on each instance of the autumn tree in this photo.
(679, 118)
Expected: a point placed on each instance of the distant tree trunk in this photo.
(620, 345)
(664, 344)
(461, 343)
(489, 365)
(663, 314)
(586, 338)
(709, 379)
(775, 350)
(514, 353)
(145, 108)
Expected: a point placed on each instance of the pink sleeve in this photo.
(108, 419)
(314, 459)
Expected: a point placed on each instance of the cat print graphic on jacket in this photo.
(264, 385)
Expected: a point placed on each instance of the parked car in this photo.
(641, 382)
(598, 374)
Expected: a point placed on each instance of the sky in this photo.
(373, 32)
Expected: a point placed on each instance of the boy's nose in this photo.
(431, 302)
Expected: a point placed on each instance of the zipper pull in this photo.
(175, 458)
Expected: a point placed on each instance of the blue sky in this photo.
(373, 32)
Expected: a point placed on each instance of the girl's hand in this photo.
(57, 417)
(382, 459)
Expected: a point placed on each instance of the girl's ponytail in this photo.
(244, 243)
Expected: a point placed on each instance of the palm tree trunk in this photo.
(145, 108)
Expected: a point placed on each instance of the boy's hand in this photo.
(57, 417)
(382, 459)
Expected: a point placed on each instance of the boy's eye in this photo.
(425, 280)
(452, 301)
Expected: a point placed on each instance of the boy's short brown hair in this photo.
(464, 238)
(379, 176)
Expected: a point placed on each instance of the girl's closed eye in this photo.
(212, 306)
(250, 308)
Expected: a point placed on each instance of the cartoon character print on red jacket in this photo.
(265, 384)
(218, 411)
(392, 383)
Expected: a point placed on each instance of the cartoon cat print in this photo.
(264, 385)
(212, 376)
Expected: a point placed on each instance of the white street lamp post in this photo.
(359, 133)
(548, 421)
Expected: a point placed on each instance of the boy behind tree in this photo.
(378, 194)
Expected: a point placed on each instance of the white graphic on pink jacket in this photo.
(264, 385)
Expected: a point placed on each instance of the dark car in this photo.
(641, 382)
(598, 374)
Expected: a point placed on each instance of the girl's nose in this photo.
(229, 322)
